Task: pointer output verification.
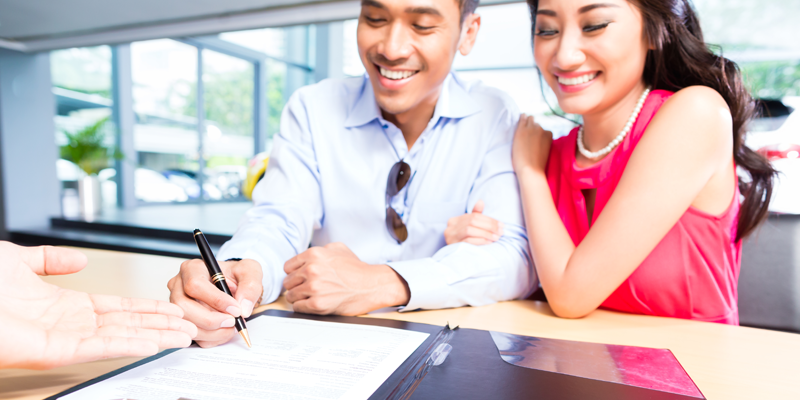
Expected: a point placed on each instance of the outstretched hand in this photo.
(474, 228)
(44, 326)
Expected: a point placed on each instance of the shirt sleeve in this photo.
(465, 274)
(287, 202)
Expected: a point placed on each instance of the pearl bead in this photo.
(617, 140)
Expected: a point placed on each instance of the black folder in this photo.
(473, 370)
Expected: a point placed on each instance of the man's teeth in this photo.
(577, 80)
(396, 75)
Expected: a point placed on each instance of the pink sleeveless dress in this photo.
(692, 273)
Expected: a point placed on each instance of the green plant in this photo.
(87, 149)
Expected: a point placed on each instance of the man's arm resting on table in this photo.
(464, 274)
(333, 280)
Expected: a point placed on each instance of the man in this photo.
(443, 143)
(43, 326)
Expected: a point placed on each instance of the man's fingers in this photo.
(294, 263)
(294, 279)
(478, 207)
(165, 339)
(204, 317)
(49, 260)
(310, 306)
(248, 277)
(147, 321)
(300, 292)
(197, 285)
(213, 338)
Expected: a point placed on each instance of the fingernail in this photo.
(247, 308)
(228, 323)
(233, 310)
(495, 237)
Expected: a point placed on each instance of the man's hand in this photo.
(332, 280)
(474, 228)
(208, 307)
(43, 326)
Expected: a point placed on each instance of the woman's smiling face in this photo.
(592, 54)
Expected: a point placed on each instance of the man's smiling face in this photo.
(407, 47)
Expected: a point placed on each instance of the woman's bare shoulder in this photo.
(697, 115)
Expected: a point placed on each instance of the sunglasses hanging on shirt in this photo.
(399, 176)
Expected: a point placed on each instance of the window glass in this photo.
(761, 37)
(503, 58)
(270, 41)
(283, 80)
(504, 39)
(288, 44)
(82, 90)
(165, 135)
(228, 84)
(351, 60)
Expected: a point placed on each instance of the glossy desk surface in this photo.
(726, 362)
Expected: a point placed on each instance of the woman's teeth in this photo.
(396, 75)
(577, 80)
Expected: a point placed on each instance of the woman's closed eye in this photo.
(595, 27)
(544, 32)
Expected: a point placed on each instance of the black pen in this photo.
(218, 278)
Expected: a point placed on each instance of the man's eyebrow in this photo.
(424, 10)
(584, 9)
(372, 3)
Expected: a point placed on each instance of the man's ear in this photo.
(469, 32)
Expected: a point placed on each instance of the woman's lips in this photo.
(571, 83)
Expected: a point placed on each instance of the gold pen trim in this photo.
(198, 233)
(217, 277)
(246, 337)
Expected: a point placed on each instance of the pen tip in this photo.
(196, 231)
(246, 337)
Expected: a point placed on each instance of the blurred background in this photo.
(203, 106)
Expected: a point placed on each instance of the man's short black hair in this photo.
(467, 7)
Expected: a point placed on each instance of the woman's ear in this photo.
(469, 32)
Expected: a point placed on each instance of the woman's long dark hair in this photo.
(681, 59)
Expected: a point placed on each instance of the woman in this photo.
(638, 209)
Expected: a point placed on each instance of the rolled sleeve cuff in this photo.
(272, 290)
(427, 291)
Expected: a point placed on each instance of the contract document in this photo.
(291, 359)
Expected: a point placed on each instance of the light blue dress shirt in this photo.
(326, 182)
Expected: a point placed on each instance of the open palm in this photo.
(44, 326)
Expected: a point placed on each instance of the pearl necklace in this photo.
(617, 140)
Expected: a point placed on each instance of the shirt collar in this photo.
(454, 102)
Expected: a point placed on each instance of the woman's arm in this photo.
(688, 143)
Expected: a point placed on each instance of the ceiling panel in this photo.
(22, 20)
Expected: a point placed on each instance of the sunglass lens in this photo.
(398, 178)
(396, 226)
